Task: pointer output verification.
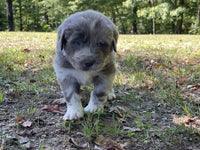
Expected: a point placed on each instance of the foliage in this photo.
(47, 15)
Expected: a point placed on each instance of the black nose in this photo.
(89, 63)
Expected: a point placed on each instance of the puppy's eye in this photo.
(100, 44)
(78, 43)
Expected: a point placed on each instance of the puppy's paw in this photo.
(73, 113)
(94, 107)
(111, 95)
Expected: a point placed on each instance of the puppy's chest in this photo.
(85, 78)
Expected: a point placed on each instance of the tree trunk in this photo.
(134, 24)
(180, 19)
(198, 13)
(20, 15)
(154, 20)
(113, 16)
(154, 26)
(10, 15)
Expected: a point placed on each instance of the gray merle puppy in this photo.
(85, 54)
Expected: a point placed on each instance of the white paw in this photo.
(73, 113)
(74, 109)
(93, 107)
(111, 95)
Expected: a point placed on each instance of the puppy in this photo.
(85, 54)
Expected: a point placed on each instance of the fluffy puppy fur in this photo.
(85, 49)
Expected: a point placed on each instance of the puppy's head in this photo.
(88, 39)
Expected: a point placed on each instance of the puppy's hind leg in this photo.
(71, 88)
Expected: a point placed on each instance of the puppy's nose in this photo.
(89, 63)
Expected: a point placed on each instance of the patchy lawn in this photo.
(157, 103)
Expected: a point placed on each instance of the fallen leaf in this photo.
(132, 129)
(34, 69)
(119, 55)
(189, 120)
(27, 145)
(100, 140)
(21, 139)
(98, 148)
(112, 145)
(116, 111)
(107, 144)
(26, 50)
(32, 80)
(27, 64)
(195, 87)
(27, 133)
(26, 124)
(53, 109)
(159, 65)
(77, 144)
(59, 101)
(18, 119)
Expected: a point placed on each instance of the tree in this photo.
(134, 24)
(153, 19)
(180, 19)
(10, 15)
(3, 18)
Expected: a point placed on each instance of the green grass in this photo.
(154, 76)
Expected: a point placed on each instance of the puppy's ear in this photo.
(115, 38)
(114, 46)
(63, 42)
(63, 35)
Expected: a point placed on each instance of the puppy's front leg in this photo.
(99, 95)
(71, 88)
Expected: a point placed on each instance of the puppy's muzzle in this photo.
(88, 63)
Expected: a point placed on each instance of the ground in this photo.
(157, 103)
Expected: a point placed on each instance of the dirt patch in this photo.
(133, 120)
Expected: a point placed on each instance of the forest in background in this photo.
(130, 16)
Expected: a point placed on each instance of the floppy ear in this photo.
(63, 35)
(115, 38)
(63, 41)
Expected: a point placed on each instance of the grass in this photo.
(158, 77)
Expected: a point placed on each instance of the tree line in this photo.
(130, 16)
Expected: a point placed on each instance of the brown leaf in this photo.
(59, 101)
(100, 140)
(32, 80)
(119, 55)
(112, 145)
(27, 64)
(116, 111)
(21, 139)
(189, 120)
(77, 144)
(26, 50)
(107, 144)
(18, 119)
(34, 69)
(26, 124)
(53, 109)
(195, 87)
(159, 65)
